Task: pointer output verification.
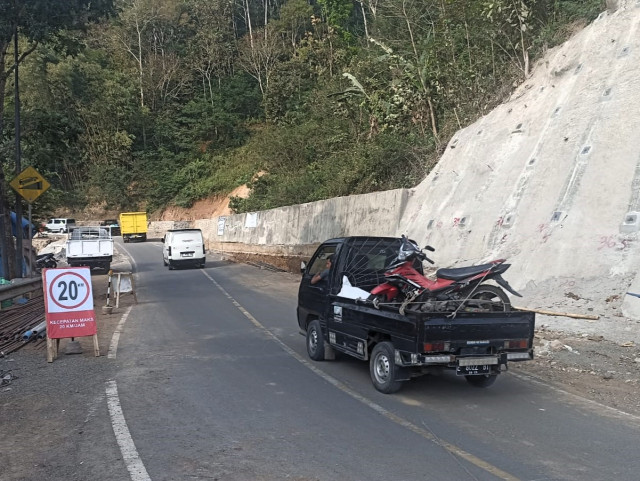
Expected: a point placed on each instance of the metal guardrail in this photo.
(20, 287)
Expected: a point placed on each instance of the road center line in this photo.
(376, 407)
(132, 460)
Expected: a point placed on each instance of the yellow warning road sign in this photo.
(29, 184)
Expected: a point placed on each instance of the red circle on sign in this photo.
(67, 274)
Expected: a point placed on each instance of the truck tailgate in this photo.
(89, 248)
(474, 331)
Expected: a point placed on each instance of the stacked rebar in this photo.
(21, 323)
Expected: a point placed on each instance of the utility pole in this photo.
(19, 247)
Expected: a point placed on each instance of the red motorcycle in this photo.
(453, 290)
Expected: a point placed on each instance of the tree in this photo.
(212, 49)
(258, 57)
(36, 21)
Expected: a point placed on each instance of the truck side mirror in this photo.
(303, 267)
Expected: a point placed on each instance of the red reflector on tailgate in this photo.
(516, 344)
(433, 346)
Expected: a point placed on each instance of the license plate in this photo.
(187, 254)
(473, 370)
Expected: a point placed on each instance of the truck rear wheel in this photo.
(382, 368)
(482, 381)
(315, 341)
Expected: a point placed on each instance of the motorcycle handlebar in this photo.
(423, 257)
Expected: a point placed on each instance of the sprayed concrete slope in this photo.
(549, 180)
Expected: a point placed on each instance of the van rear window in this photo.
(193, 236)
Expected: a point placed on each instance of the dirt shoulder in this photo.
(589, 366)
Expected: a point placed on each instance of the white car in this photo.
(61, 225)
(183, 247)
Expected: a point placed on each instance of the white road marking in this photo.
(113, 347)
(132, 460)
(131, 259)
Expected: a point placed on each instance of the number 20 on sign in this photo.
(69, 303)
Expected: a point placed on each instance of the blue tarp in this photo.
(25, 227)
(25, 235)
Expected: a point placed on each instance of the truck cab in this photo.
(360, 259)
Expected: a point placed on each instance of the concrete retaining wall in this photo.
(296, 230)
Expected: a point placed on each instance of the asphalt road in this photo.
(213, 382)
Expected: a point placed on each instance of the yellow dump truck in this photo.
(133, 226)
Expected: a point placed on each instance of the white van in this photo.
(61, 225)
(183, 247)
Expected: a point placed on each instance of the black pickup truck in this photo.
(335, 315)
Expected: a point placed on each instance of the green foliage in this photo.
(172, 101)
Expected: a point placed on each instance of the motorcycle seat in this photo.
(459, 273)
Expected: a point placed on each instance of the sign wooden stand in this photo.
(53, 346)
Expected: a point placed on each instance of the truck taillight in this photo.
(169, 250)
(516, 344)
(436, 346)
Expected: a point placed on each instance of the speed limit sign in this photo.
(69, 302)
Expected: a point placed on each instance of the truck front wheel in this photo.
(382, 368)
(315, 341)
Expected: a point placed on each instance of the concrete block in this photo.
(631, 223)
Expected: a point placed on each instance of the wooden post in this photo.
(560, 314)
(119, 283)
(96, 348)
(133, 287)
(52, 348)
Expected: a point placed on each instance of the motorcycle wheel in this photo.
(488, 298)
